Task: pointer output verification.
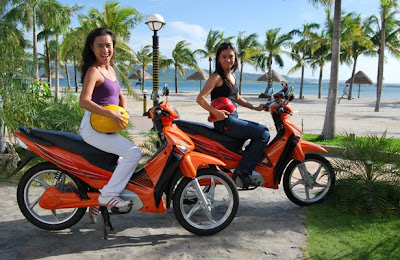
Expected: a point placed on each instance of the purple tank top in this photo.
(107, 93)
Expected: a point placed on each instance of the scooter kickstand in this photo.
(106, 221)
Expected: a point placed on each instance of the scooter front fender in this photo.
(191, 162)
(303, 147)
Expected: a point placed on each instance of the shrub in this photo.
(34, 106)
(368, 175)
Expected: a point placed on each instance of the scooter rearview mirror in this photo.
(154, 95)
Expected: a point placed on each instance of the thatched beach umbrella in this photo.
(270, 76)
(198, 75)
(360, 78)
(141, 76)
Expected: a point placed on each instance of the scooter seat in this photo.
(231, 143)
(75, 144)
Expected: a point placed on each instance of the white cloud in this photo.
(191, 31)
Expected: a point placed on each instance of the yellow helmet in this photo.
(104, 124)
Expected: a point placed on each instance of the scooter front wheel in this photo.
(207, 204)
(309, 181)
(30, 189)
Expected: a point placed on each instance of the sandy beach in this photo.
(352, 116)
(267, 226)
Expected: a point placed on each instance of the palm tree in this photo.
(328, 130)
(49, 17)
(214, 39)
(71, 50)
(356, 43)
(181, 56)
(63, 20)
(247, 48)
(25, 12)
(144, 58)
(121, 20)
(14, 61)
(301, 49)
(273, 48)
(386, 36)
(320, 54)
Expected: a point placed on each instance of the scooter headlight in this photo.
(183, 149)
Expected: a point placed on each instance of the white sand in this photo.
(352, 116)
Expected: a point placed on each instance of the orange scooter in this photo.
(307, 175)
(54, 195)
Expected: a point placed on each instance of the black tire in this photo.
(31, 187)
(223, 199)
(321, 180)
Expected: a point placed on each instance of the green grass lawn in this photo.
(336, 141)
(336, 235)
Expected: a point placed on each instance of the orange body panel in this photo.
(191, 162)
(303, 147)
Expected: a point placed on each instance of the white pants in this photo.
(115, 144)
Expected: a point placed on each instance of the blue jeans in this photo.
(239, 128)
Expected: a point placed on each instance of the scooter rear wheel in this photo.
(222, 198)
(309, 181)
(30, 189)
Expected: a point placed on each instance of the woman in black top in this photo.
(222, 84)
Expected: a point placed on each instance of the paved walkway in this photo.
(267, 226)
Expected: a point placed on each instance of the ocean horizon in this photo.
(389, 91)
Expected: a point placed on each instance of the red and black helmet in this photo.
(222, 103)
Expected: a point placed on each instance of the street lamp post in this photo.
(155, 23)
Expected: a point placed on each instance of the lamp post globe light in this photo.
(155, 23)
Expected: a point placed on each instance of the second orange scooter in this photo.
(307, 175)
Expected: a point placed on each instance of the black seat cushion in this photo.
(75, 144)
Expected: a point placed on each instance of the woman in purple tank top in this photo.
(100, 87)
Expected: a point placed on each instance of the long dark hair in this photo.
(218, 67)
(88, 57)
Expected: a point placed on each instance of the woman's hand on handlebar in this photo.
(259, 107)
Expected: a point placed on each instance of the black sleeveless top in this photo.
(225, 90)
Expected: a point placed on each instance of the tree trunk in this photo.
(2, 132)
(269, 85)
(210, 61)
(143, 79)
(67, 73)
(176, 79)
(328, 130)
(48, 58)
(302, 82)
(352, 79)
(76, 75)
(381, 53)
(320, 81)
(34, 36)
(241, 78)
(57, 93)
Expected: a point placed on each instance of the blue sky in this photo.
(192, 20)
